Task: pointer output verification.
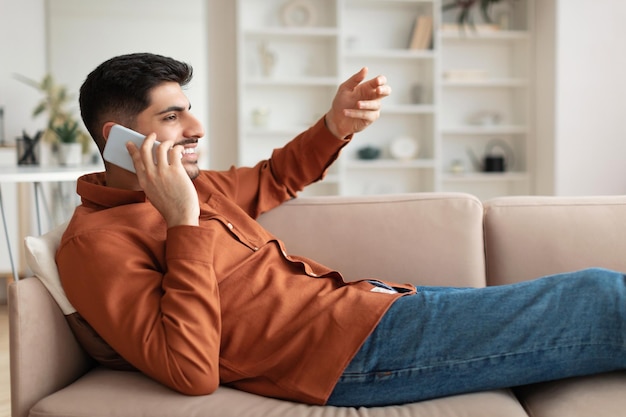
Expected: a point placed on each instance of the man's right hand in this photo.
(166, 183)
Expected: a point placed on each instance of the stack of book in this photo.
(422, 33)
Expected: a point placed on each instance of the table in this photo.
(37, 175)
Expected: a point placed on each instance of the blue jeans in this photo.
(446, 341)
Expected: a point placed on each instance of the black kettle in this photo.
(498, 157)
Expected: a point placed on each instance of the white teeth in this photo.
(189, 150)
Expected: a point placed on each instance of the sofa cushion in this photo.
(103, 392)
(420, 238)
(530, 237)
(40, 252)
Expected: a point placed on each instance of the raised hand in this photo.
(357, 104)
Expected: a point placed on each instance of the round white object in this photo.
(403, 148)
(298, 13)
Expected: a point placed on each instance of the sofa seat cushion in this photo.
(598, 395)
(104, 392)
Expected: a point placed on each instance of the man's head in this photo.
(143, 92)
(119, 89)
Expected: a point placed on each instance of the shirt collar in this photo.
(93, 191)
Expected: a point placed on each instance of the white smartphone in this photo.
(115, 150)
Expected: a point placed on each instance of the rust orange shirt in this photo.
(222, 303)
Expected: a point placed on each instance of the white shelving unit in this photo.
(377, 34)
(293, 54)
(287, 76)
(485, 96)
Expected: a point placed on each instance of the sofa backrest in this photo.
(423, 239)
(530, 237)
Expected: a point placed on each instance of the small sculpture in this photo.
(268, 60)
(27, 149)
(260, 116)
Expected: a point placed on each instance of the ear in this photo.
(106, 129)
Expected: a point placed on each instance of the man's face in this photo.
(169, 117)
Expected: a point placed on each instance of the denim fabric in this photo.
(445, 341)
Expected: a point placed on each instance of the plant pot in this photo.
(70, 154)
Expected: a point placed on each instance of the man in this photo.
(170, 268)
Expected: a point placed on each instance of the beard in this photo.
(192, 170)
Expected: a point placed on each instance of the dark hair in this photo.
(119, 89)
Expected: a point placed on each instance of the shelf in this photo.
(409, 109)
(386, 2)
(262, 132)
(390, 164)
(485, 130)
(330, 179)
(494, 82)
(468, 35)
(292, 81)
(290, 32)
(486, 177)
(392, 54)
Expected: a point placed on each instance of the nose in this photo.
(193, 127)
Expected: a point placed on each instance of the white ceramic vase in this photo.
(70, 154)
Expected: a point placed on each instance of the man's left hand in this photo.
(357, 104)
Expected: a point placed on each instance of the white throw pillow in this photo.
(40, 254)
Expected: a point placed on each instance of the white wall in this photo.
(591, 141)
(588, 130)
(22, 51)
(84, 33)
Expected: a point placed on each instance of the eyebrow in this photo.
(174, 108)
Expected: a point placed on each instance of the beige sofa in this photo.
(432, 238)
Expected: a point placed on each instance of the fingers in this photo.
(356, 79)
(375, 82)
(365, 115)
(136, 156)
(369, 104)
(152, 154)
(383, 90)
(374, 89)
(168, 154)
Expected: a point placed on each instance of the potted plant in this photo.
(465, 18)
(62, 128)
(70, 149)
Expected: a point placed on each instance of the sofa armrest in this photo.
(44, 355)
(420, 238)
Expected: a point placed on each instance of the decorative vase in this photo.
(70, 154)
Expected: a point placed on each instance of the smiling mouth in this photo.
(189, 151)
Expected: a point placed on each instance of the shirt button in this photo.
(230, 226)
